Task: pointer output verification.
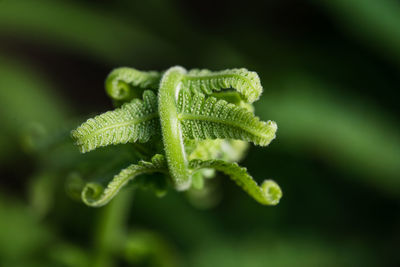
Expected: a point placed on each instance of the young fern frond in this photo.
(204, 117)
(202, 129)
(136, 121)
(95, 195)
(247, 83)
(269, 193)
(124, 83)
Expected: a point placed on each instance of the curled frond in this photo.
(124, 83)
(269, 193)
(204, 117)
(136, 121)
(247, 83)
(204, 129)
(170, 86)
(95, 195)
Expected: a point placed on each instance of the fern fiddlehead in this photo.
(202, 128)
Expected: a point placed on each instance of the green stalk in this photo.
(110, 229)
(171, 128)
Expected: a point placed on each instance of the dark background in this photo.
(330, 72)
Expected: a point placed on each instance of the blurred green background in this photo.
(331, 76)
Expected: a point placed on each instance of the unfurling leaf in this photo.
(269, 193)
(96, 195)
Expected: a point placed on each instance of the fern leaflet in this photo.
(247, 83)
(204, 117)
(134, 121)
(269, 193)
(95, 195)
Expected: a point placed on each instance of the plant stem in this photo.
(110, 229)
(171, 129)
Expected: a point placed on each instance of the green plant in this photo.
(191, 127)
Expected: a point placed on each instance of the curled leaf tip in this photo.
(124, 83)
(269, 193)
(272, 192)
(91, 194)
(95, 195)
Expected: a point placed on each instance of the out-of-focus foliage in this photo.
(376, 22)
(25, 100)
(331, 81)
(356, 136)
